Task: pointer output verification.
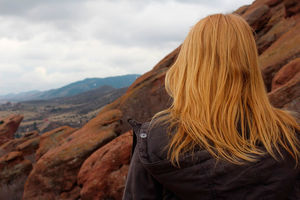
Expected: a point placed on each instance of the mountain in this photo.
(74, 111)
(21, 95)
(73, 88)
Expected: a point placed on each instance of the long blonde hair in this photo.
(217, 88)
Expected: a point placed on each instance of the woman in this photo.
(220, 138)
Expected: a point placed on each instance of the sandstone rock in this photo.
(272, 3)
(282, 51)
(29, 147)
(286, 93)
(103, 174)
(13, 172)
(276, 26)
(55, 173)
(292, 7)
(31, 134)
(11, 145)
(8, 127)
(258, 17)
(286, 73)
(15, 155)
(52, 139)
(74, 194)
(241, 10)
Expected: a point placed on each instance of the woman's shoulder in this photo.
(151, 140)
(152, 145)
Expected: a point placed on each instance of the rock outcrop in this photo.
(11, 145)
(286, 73)
(107, 169)
(13, 173)
(8, 127)
(54, 176)
(29, 147)
(16, 161)
(52, 139)
(286, 86)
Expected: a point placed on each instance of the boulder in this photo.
(54, 176)
(13, 173)
(285, 49)
(52, 139)
(286, 93)
(29, 147)
(286, 73)
(14, 166)
(292, 7)
(257, 17)
(103, 174)
(8, 127)
(11, 145)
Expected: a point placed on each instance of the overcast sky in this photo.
(46, 44)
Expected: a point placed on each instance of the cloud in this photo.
(50, 43)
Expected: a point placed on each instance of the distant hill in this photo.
(73, 111)
(16, 96)
(73, 88)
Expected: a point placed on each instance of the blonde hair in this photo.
(217, 88)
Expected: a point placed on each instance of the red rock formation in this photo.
(286, 87)
(283, 45)
(8, 127)
(52, 139)
(106, 168)
(15, 166)
(11, 145)
(54, 176)
(13, 172)
(286, 73)
(29, 147)
(10, 166)
(286, 93)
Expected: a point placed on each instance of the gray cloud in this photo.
(49, 43)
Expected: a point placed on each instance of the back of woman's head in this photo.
(219, 98)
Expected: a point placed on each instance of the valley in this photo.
(74, 111)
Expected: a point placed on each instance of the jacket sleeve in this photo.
(295, 194)
(297, 185)
(140, 184)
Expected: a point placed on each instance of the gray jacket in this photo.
(201, 177)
